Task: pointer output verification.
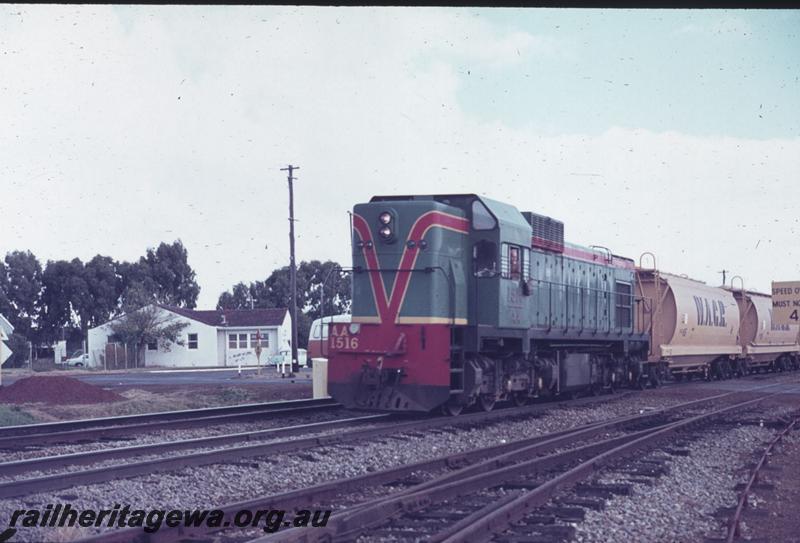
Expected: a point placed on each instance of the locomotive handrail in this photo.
(609, 257)
(741, 282)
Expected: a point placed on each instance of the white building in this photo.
(212, 338)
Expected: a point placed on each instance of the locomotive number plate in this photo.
(342, 339)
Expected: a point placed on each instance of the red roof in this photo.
(233, 317)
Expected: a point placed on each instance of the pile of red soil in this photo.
(55, 390)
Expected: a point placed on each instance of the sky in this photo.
(670, 131)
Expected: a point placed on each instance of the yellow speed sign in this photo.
(786, 302)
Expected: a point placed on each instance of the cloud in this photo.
(126, 126)
(725, 23)
(731, 24)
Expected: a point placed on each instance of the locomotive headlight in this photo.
(385, 217)
(385, 232)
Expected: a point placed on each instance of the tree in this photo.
(66, 298)
(104, 287)
(5, 302)
(275, 291)
(174, 279)
(149, 324)
(337, 284)
(241, 297)
(21, 282)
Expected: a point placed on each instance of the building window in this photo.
(152, 346)
(193, 341)
(624, 305)
(232, 341)
(243, 341)
(264, 339)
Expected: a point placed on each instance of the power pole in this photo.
(724, 275)
(292, 268)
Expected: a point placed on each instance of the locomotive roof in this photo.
(515, 228)
(515, 225)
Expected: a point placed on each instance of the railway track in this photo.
(31, 435)
(37, 474)
(450, 476)
(479, 502)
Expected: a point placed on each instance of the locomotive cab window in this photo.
(484, 256)
(482, 219)
(511, 263)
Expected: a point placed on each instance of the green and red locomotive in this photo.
(462, 300)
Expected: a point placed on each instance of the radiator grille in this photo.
(547, 233)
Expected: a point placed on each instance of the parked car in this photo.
(286, 356)
(78, 359)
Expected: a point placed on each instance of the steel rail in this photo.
(524, 448)
(346, 525)
(508, 513)
(734, 524)
(47, 427)
(17, 443)
(302, 497)
(132, 469)
(186, 419)
(83, 458)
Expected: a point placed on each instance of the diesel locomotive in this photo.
(461, 300)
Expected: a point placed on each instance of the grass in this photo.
(12, 415)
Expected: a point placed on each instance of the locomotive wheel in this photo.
(486, 402)
(519, 399)
(452, 409)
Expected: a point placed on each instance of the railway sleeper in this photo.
(613, 489)
(405, 482)
(519, 485)
(559, 532)
(589, 503)
(564, 513)
(762, 485)
(525, 539)
(436, 515)
(537, 519)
